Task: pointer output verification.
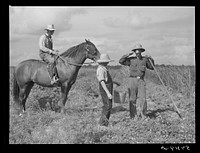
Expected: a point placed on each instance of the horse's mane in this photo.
(73, 51)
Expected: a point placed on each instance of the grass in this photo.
(79, 125)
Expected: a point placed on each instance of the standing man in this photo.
(137, 92)
(105, 88)
(47, 53)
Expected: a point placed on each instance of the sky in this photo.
(166, 33)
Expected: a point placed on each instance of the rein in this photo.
(76, 64)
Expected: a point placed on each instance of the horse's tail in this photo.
(15, 89)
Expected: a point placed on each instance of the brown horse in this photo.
(33, 71)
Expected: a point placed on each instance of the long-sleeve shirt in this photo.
(137, 66)
(45, 43)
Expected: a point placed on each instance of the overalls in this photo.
(107, 103)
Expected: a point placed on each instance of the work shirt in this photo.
(103, 74)
(45, 43)
(137, 66)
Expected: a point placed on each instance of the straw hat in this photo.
(104, 58)
(50, 27)
(138, 47)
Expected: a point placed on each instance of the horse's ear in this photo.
(87, 41)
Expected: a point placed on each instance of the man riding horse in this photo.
(68, 64)
(47, 53)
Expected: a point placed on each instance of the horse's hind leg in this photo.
(21, 100)
(24, 92)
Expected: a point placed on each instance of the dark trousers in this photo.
(107, 104)
(137, 97)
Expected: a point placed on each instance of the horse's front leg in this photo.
(65, 90)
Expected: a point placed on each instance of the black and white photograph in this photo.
(102, 75)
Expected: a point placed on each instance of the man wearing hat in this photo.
(47, 52)
(105, 88)
(137, 68)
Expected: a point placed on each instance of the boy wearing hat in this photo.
(105, 88)
(137, 68)
(47, 53)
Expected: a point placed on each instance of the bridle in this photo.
(87, 51)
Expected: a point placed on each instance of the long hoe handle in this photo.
(166, 90)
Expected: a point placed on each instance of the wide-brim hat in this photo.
(104, 58)
(138, 47)
(50, 27)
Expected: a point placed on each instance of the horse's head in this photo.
(91, 51)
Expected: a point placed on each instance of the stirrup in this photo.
(54, 80)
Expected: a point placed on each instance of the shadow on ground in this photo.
(155, 113)
(118, 109)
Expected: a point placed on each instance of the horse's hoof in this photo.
(20, 114)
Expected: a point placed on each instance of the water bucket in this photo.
(119, 97)
(122, 96)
